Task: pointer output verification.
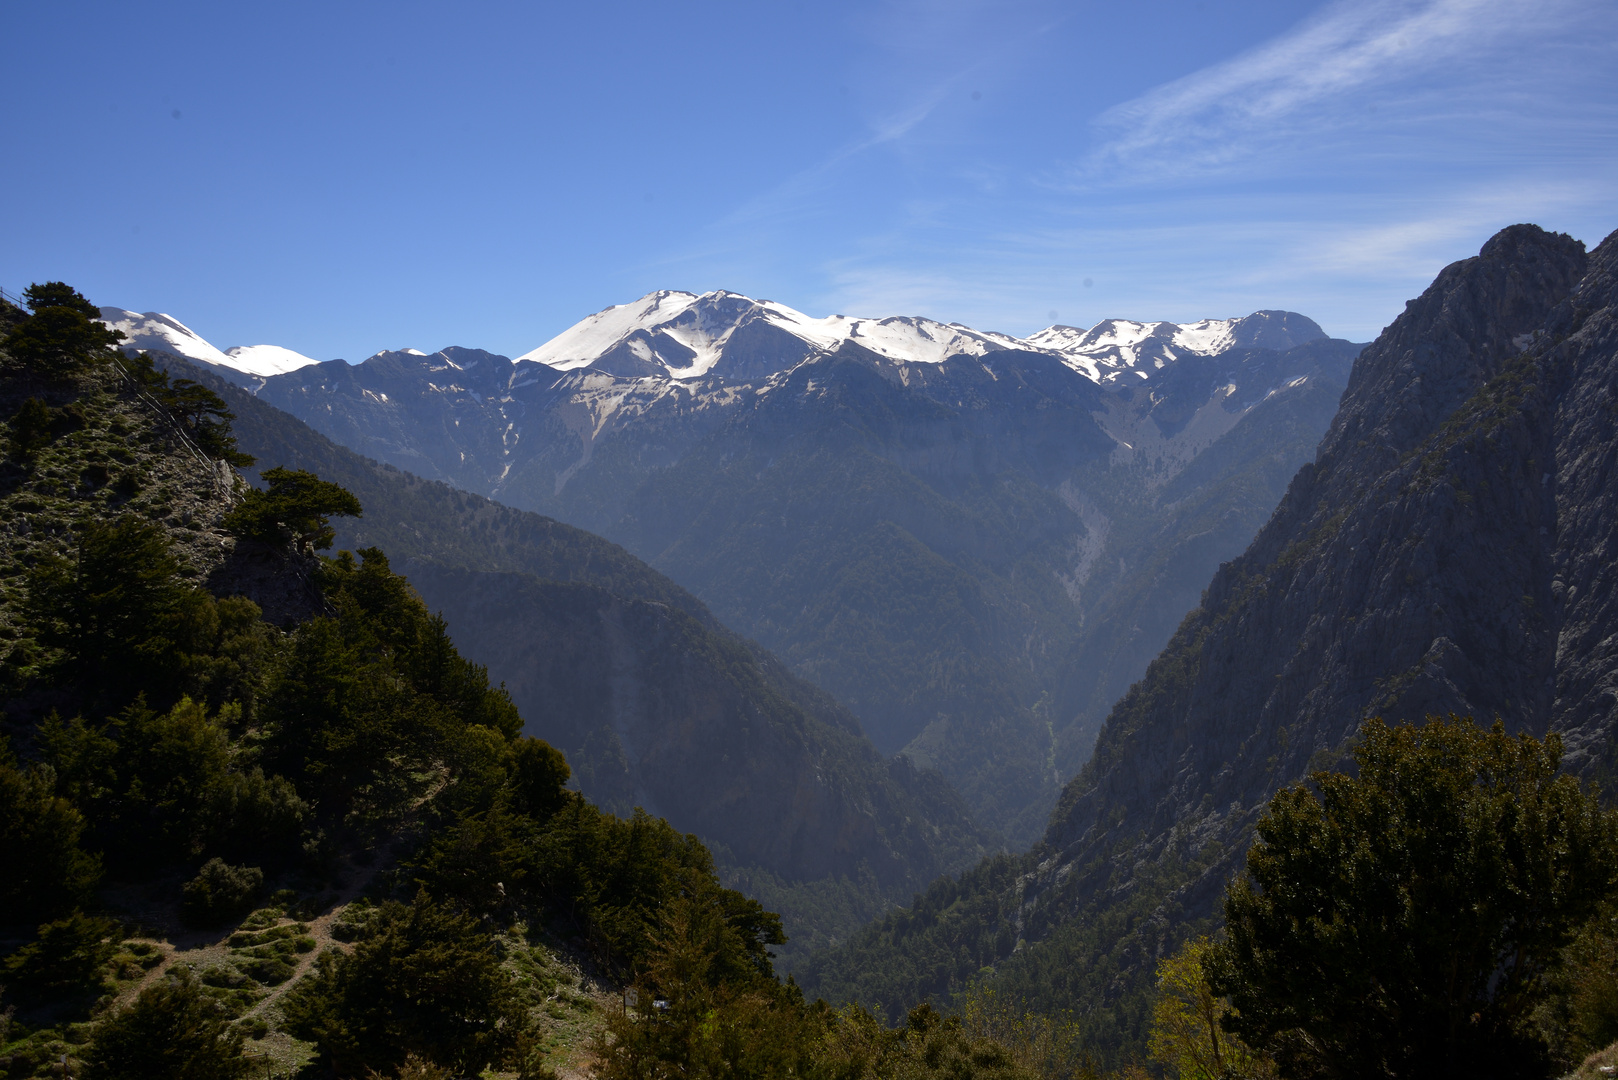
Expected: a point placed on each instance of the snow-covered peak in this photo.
(164, 333)
(1115, 347)
(266, 359)
(684, 335)
(590, 338)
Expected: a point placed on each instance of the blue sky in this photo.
(343, 178)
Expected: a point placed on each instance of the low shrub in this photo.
(220, 892)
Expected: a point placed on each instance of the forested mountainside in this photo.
(655, 704)
(1449, 549)
(418, 879)
(974, 555)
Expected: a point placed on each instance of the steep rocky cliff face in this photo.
(1449, 550)
(1407, 571)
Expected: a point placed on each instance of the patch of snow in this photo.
(267, 359)
(162, 333)
(584, 341)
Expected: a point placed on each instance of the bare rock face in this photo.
(1450, 549)
(283, 583)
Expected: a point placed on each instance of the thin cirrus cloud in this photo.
(1319, 75)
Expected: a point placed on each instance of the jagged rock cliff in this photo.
(1407, 571)
(1449, 550)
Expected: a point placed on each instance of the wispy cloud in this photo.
(1320, 73)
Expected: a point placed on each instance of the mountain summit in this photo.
(156, 332)
(682, 335)
(973, 541)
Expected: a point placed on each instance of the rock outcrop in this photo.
(1450, 549)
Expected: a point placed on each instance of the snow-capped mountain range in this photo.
(827, 484)
(682, 335)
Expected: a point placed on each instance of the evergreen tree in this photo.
(62, 336)
(31, 428)
(65, 956)
(43, 870)
(1402, 921)
(120, 612)
(294, 510)
(422, 980)
(173, 1031)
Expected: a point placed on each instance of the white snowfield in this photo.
(704, 324)
(164, 333)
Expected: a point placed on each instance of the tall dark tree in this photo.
(120, 611)
(294, 510)
(424, 979)
(62, 336)
(1402, 922)
(43, 870)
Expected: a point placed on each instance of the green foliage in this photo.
(220, 892)
(62, 337)
(58, 294)
(294, 510)
(67, 956)
(698, 1013)
(606, 876)
(1403, 921)
(928, 1045)
(539, 778)
(1188, 1037)
(1580, 1016)
(1048, 1045)
(423, 979)
(254, 816)
(200, 412)
(173, 1031)
(367, 705)
(165, 786)
(120, 612)
(43, 870)
(32, 427)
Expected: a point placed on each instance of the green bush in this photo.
(1400, 922)
(66, 957)
(173, 1031)
(43, 871)
(423, 979)
(539, 778)
(220, 892)
(31, 428)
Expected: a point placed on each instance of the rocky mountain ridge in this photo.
(1448, 550)
(932, 542)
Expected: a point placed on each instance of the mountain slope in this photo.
(1431, 559)
(652, 699)
(927, 520)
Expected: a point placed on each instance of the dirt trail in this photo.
(354, 882)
